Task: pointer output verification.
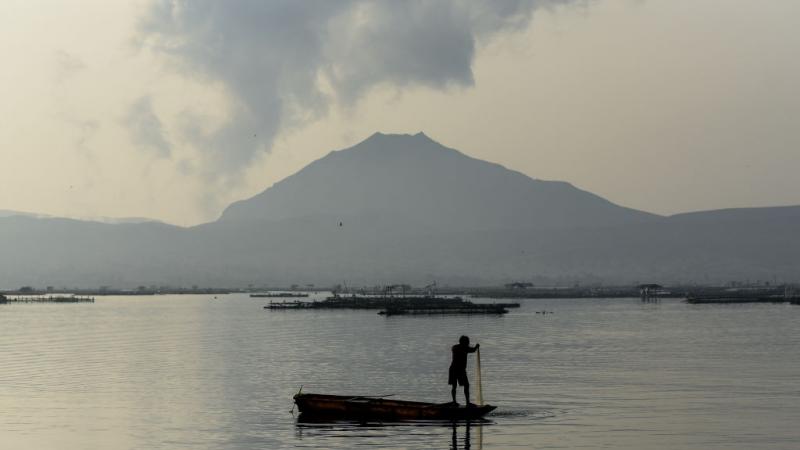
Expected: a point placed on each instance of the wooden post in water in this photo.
(478, 375)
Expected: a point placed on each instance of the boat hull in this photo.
(370, 408)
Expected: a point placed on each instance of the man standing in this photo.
(458, 368)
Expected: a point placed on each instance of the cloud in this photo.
(66, 65)
(86, 130)
(284, 63)
(427, 43)
(145, 128)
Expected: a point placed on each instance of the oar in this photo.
(478, 375)
(295, 404)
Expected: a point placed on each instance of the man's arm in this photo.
(473, 349)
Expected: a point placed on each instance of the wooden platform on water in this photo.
(280, 295)
(472, 309)
(730, 299)
(47, 299)
(289, 305)
(399, 305)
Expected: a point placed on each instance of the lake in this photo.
(199, 372)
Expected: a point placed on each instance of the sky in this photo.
(174, 109)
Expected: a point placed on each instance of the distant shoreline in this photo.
(508, 291)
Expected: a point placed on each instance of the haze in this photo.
(174, 110)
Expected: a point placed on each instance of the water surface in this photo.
(171, 372)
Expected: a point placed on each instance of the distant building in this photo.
(650, 291)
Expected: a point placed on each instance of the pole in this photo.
(478, 375)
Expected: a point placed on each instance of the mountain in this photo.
(405, 209)
(414, 176)
(10, 213)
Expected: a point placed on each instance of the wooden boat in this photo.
(373, 408)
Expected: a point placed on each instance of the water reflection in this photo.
(467, 444)
(464, 434)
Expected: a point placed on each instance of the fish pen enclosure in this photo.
(46, 299)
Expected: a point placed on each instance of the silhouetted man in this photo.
(458, 368)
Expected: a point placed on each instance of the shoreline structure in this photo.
(378, 297)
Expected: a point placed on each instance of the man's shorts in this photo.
(458, 376)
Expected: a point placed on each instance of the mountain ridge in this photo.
(373, 214)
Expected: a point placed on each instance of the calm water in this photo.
(172, 372)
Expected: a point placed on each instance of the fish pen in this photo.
(471, 309)
(411, 304)
(47, 299)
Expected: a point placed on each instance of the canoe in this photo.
(349, 407)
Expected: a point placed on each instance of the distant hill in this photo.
(404, 209)
(774, 214)
(102, 219)
(10, 213)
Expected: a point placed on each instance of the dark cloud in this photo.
(145, 127)
(274, 57)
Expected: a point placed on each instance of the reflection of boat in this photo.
(349, 407)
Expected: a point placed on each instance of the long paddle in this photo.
(478, 375)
